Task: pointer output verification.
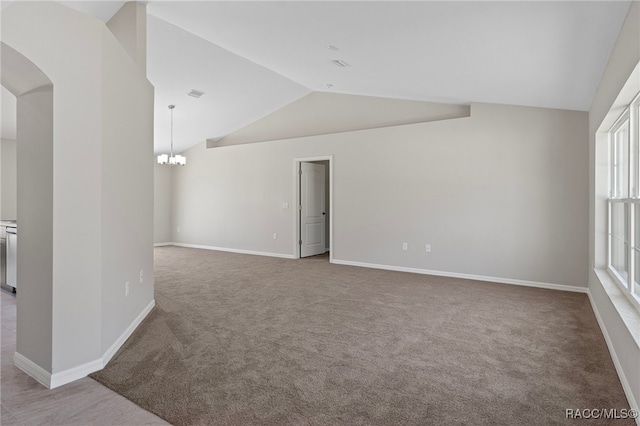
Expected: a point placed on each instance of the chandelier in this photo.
(171, 159)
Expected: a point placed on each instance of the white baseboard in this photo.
(106, 357)
(38, 373)
(232, 250)
(633, 404)
(561, 287)
(75, 373)
(162, 244)
(55, 380)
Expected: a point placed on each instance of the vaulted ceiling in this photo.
(253, 58)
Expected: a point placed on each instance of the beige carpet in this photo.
(250, 340)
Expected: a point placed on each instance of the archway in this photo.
(85, 188)
(34, 95)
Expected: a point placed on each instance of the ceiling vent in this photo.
(340, 63)
(195, 93)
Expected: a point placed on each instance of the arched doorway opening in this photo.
(34, 97)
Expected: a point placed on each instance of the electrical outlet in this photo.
(275, 236)
(285, 205)
(141, 276)
(178, 229)
(405, 246)
(126, 289)
(428, 248)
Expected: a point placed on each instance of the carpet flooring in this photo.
(250, 340)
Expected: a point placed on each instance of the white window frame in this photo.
(631, 202)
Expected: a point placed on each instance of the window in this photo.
(623, 252)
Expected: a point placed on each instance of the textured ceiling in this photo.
(252, 58)
(546, 54)
(237, 91)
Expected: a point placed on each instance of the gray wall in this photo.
(162, 204)
(101, 232)
(3, 89)
(129, 26)
(615, 91)
(499, 194)
(8, 179)
(35, 236)
(320, 113)
(127, 189)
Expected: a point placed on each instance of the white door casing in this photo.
(312, 209)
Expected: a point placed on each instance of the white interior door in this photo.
(312, 209)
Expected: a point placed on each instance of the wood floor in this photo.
(26, 402)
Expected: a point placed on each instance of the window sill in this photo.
(628, 313)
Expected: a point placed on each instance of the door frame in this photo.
(296, 197)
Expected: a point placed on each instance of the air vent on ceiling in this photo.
(195, 93)
(340, 63)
